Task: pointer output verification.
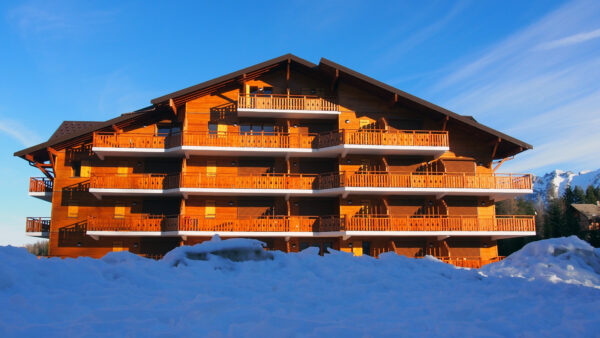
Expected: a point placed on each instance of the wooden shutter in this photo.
(209, 209)
(72, 209)
(119, 211)
(222, 130)
(86, 168)
(211, 168)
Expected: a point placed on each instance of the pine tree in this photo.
(579, 195)
(571, 224)
(553, 220)
(590, 195)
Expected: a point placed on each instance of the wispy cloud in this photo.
(570, 40)
(55, 20)
(19, 132)
(548, 96)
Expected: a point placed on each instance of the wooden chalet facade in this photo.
(289, 152)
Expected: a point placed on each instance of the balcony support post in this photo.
(445, 124)
(496, 148)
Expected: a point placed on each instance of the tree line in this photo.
(556, 218)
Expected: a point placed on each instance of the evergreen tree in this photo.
(553, 220)
(571, 224)
(590, 195)
(579, 195)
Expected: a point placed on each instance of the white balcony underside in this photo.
(288, 113)
(331, 152)
(38, 234)
(46, 196)
(346, 234)
(495, 194)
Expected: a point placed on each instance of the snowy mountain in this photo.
(554, 183)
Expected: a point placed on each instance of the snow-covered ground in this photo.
(233, 288)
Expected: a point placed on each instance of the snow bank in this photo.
(235, 249)
(213, 293)
(558, 260)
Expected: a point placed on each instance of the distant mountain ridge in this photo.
(554, 183)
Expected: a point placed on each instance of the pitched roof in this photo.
(68, 128)
(71, 129)
(588, 210)
(233, 75)
(469, 120)
(74, 129)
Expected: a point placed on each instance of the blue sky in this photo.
(527, 68)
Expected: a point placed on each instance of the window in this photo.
(213, 128)
(72, 209)
(253, 89)
(217, 129)
(261, 90)
(267, 90)
(248, 128)
(209, 209)
(76, 169)
(85, 169)
(211, 168)
(163, 130)
(119, 211)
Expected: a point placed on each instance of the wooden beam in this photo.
(500, 163)
(445, 123)
(334, 81)
(287, 77)
(173, 106)
(496, 148)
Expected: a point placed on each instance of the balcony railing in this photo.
(439, 223)
(382, 179)
(129, 140)
(134, 181)
(372, 137)
(261, 181)
(40, 184)
(37, 224)
(249, 139)
(369, 179)
(286, 102)
(262, 224)
(377, 137)
(151, 223)
(372, 223)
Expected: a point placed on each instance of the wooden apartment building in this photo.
(292, 153)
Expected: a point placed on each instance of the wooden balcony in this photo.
(499, 185)
(287, 106)
(41, 187)
(262, 224)
(442, 223)
(254, 182)
(334, 225)
(130, 140)
(134, 181)
(142, 223)
(37, 226)
(331, 144)
(379, 137)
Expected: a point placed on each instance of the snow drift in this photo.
(227, 288)
(558, 260)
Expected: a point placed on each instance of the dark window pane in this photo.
(268, 90)
(212, 128)
(256, 128)
(268, 129)
(244, 129)
(253, 89)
